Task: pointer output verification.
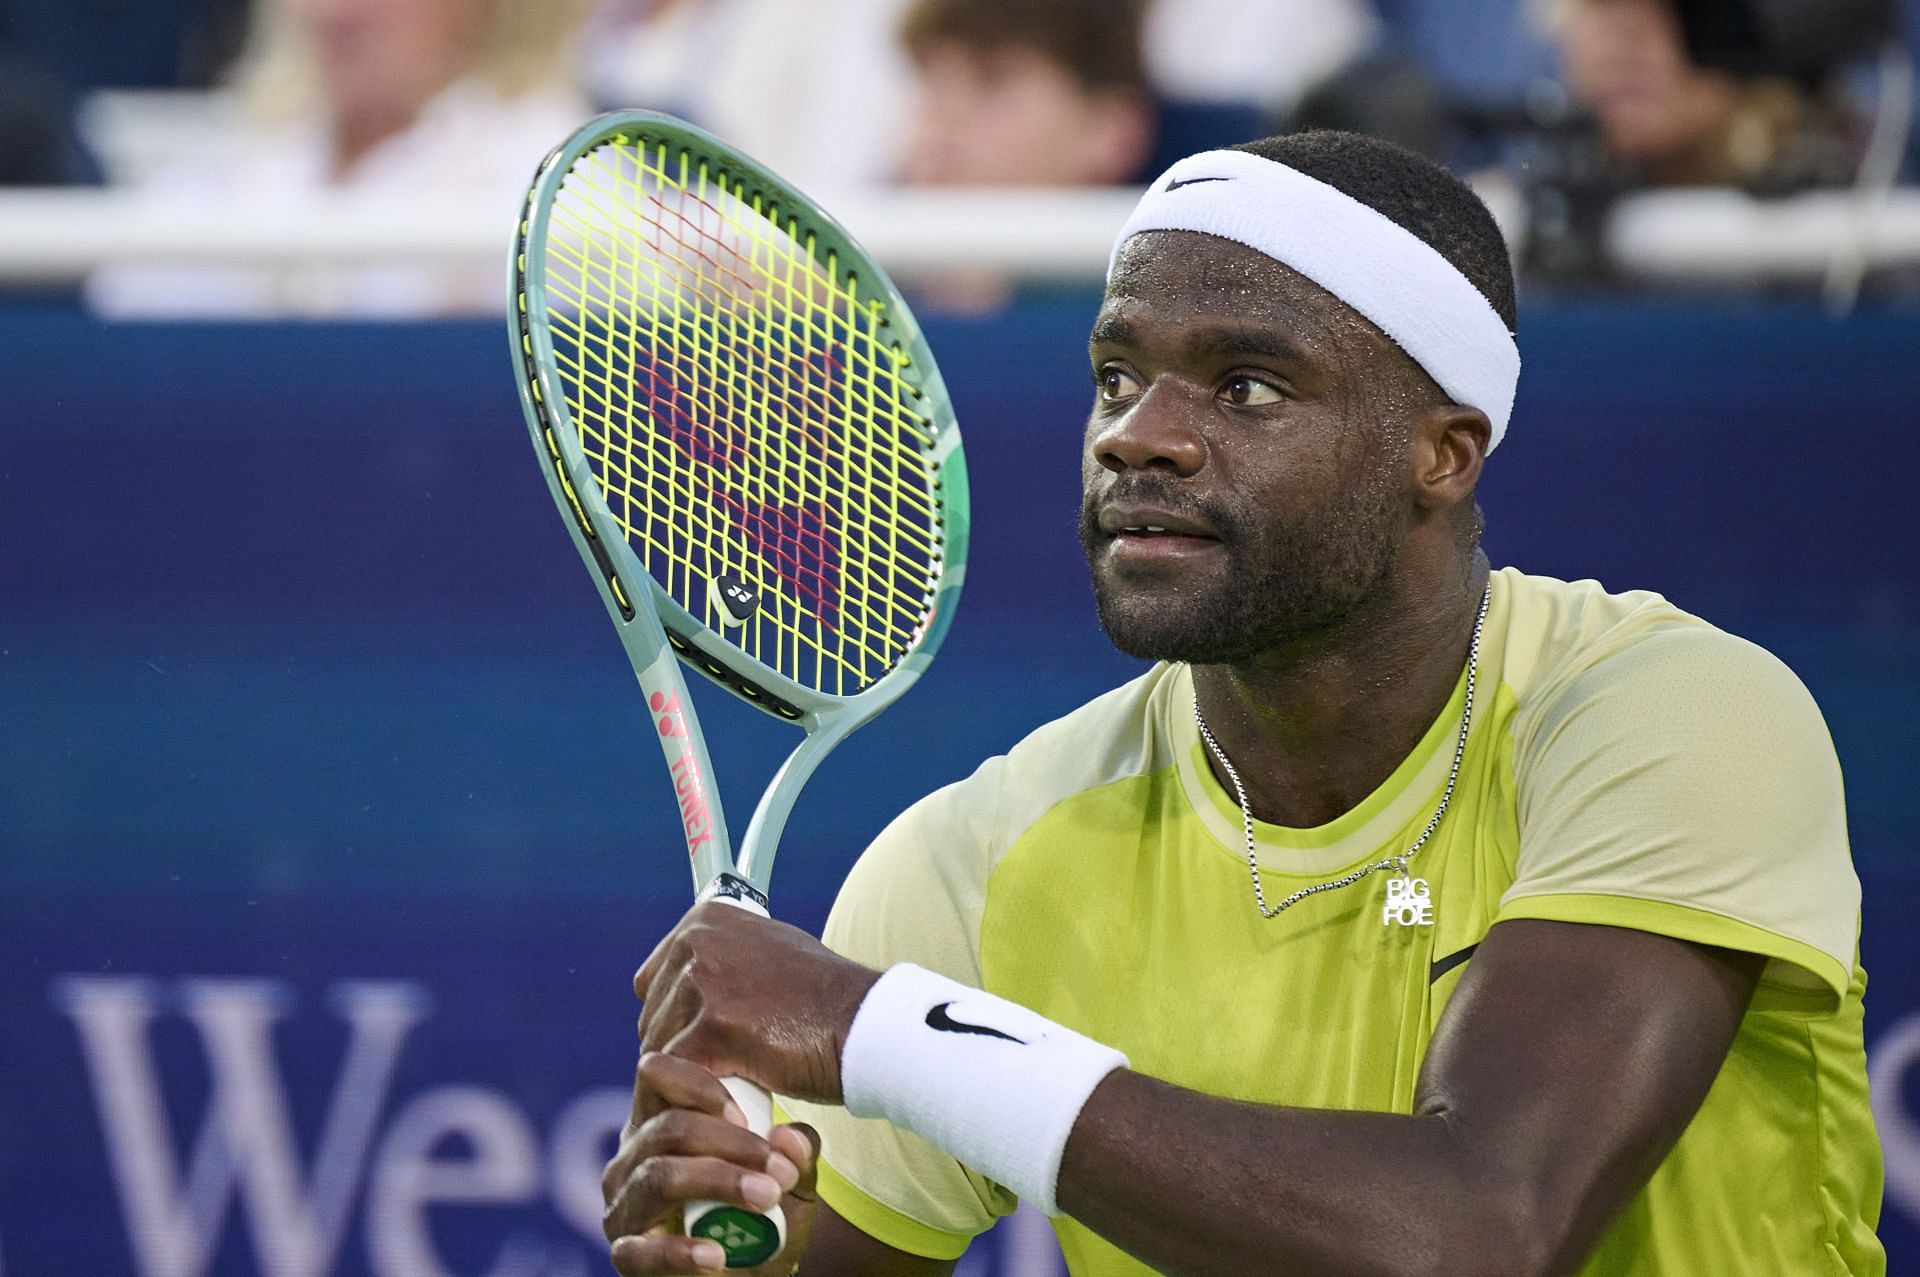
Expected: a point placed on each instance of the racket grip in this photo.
(748, 1238)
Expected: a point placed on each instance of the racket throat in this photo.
(755, 859)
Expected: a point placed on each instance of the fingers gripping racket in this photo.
(750, 443)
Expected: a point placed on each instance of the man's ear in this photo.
(1449, 446)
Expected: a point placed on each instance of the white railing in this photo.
(55, 237)
(61, 237)
(1717, 235)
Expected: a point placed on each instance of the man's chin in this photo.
(1166, 630)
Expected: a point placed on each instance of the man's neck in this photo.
(1316, 726)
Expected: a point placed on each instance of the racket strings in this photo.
(717, 408)
(745, 414)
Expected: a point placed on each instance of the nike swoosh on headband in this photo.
(1173, 185)
(940, 1020)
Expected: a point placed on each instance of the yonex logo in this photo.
(747, 1239)
(667, 707)
(695, 814)
(734, 598)
(733, 1237)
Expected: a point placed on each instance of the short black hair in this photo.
(1411, 190)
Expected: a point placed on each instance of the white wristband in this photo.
(977, 1076)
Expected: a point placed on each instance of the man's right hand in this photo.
(687, 1141)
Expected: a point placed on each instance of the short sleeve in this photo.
(1686, 785)
(916, 895)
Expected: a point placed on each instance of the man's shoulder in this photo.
(1562, 635)
(1554, 625)
(1675, 778)
(1656, 671)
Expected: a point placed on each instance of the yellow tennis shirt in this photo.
(1628, 764)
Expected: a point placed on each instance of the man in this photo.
(1410, 918)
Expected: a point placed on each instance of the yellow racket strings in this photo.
(743, 412)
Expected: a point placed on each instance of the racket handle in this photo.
(749, 1238)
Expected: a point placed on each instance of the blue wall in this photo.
(315, 749)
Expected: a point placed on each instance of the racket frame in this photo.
(656, 631)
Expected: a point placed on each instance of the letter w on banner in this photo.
(245, 1144)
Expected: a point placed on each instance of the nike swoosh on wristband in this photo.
(1173, 185)
(940, 1020)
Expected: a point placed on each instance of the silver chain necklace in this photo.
(1395, 862)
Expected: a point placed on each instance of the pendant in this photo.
(1409, 903)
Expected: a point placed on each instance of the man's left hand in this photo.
(744, 996)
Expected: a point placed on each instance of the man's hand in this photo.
(743, 996)
(688, 1141)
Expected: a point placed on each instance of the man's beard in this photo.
(1283, 579)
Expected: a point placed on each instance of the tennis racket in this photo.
(749, 441)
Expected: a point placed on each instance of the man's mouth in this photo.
(1155, 536)
(1150, 545)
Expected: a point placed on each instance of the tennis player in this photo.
(1408, 917)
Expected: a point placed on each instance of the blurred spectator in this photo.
(1664, 121)
(1017, 93)
(816, 90)
(434, 98)
(1261, 53)
(811, 88)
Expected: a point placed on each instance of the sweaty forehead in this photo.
(1178, 277)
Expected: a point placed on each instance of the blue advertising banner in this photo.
(331, 834)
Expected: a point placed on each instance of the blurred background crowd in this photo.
(1559, 110)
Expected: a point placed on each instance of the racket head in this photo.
(736, 406)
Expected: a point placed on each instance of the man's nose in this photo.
(1157, 432)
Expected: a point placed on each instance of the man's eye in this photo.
(1250, 392)
(1115, 384)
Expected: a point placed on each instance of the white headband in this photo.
(1366, 259)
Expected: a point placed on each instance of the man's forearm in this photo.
(1568, 1061)
(1196, 1186)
